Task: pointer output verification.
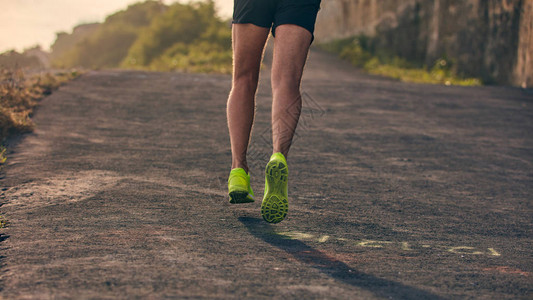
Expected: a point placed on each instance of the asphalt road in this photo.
(397, 190)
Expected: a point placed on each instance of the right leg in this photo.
(248, 42)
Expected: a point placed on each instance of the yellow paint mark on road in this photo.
(297, 235)
(464, 250)
(376, 244)
(405, 246)
(323, 239)
(372, 243)
(493, 252)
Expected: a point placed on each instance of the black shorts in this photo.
(267, 13)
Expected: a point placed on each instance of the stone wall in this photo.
(524, 64)
(490, 39)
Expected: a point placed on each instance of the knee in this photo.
(246, 81)
(286, 81)
(287, 84)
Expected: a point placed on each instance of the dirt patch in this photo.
(59, 190)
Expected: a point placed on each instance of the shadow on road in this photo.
(331, 266)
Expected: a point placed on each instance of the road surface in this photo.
(397, 191)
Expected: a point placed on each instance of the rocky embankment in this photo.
(491, 39)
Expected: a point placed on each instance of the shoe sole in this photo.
(237, 197)
(275, 205)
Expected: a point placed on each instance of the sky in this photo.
(26, 23)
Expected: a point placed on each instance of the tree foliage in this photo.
(151, 35)
(110, 42)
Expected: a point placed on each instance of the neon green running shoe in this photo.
(239, 188)
(275, 204)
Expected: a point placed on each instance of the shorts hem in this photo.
(289, 23)
(250, 22)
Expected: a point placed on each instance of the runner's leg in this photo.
(291, 46)
(248, 42)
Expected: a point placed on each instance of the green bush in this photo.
(186, 37)
(360, 53)
(106, 46)
(153, 36)
(354, 53)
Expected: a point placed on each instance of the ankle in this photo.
(243, 166)
(285, 153)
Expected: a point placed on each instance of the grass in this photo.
(19, 94)
(360, 53)
(3, 222)
(2, 154)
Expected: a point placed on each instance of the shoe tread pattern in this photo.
(275, 204)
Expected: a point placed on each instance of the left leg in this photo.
(248, 42)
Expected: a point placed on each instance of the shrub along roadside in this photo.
(152, 36)
(186, 37)
(360, 52)
(19, 95)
